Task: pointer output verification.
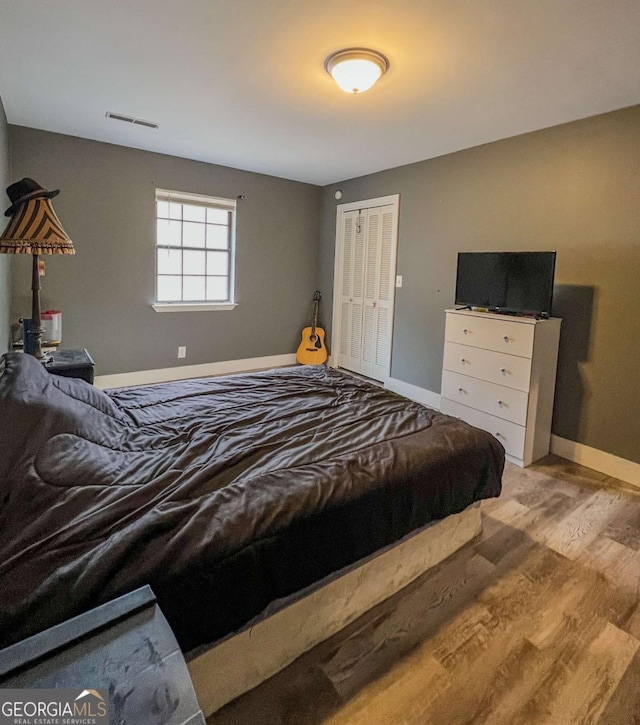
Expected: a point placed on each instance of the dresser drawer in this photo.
(515, 338)
(509, 434)
(497, 400)
(495, 367)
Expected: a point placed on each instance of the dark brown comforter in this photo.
(223, 494)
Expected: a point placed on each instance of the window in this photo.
(195, 238)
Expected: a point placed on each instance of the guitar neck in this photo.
(314, 324)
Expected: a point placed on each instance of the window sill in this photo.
(204, 307)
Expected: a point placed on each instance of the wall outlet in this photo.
(182, 351)
(398, 280)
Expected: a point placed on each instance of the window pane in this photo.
(169, 261)
(217, 236)
(218, 216)
(193, 234)
(169, 289)
(168, 233)
(193, 289)
(194, 248)
(193, 213)
(218, 263)
(193, 262)
(217, 288)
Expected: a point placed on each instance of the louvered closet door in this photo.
(352, 287)
(378, 288)
(371, 274)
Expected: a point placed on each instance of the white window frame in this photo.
(207, 201)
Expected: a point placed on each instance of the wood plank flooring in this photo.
(536, 622)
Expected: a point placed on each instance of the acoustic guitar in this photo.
(312, 350)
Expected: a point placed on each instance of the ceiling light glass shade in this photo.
(356, 70)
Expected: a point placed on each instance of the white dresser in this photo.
(499, 374)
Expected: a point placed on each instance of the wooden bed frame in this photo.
(242, 661)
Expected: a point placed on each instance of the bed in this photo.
(224, 494)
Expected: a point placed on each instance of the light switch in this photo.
(398, 280)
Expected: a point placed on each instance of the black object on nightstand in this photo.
(71, 364)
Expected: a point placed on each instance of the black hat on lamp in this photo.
(24, 190)
(35, 229)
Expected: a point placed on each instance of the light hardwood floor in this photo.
(537, 621)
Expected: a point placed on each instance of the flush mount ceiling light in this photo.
(356, 70)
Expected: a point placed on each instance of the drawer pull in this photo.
(463, 361)
(461, 390)
(503, 371)
(500, 403)
(465, 331)
(499, 435)
(506, 338)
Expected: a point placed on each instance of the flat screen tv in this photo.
(519, 283)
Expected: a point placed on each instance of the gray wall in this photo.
(574, 188)
(106, 205)
(5, 259)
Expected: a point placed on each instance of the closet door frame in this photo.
(393, 200)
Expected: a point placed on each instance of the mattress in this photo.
(223, 494)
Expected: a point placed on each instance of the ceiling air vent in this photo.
(131, 119)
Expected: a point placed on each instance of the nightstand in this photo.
(71, 364)
(123, 648)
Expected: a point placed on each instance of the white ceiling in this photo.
(241, 82)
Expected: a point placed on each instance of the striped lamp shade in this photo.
(35, 229)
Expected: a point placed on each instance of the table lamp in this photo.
(33, 229)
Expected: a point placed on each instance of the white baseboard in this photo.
(163, 375)
(414, 392)
(598, 460)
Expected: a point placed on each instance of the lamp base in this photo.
(36, 345)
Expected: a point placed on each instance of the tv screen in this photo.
(516, 282)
